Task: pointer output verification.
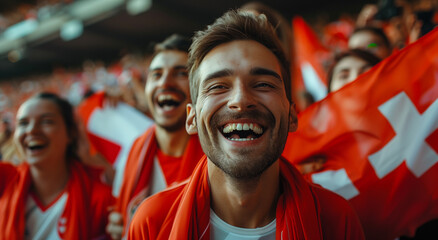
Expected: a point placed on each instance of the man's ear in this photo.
(191, 127)
(293, 119)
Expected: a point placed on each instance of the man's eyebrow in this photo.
(218, 74)
(346, 69)
(264, 71)
(177, 67)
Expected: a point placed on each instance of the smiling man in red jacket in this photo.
(242, 112)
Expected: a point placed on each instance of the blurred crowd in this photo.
(380, 29)
(41, 10)
(121, 80)
(350, 46)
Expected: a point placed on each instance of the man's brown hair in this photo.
(173, 42)
(235, 25)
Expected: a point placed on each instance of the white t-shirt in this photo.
(157, 184)
(158, 180)
(221, 230)
(45, 222)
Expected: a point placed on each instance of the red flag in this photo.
(308, 73)
(112, 130)
(380, 136)
(337, 33)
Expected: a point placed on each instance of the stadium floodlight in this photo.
(20, 29)
(135, 7)
(71, 30)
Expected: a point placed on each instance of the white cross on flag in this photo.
(379, 135)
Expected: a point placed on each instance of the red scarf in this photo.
(298, 213)
(80, 211)
(140, 162)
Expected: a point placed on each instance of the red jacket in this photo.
(304, 211)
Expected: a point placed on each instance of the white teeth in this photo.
(242, 127)
(227, 129)
(35, 143)
(241, 139)
(164, 97)
(257, 130)
(168, 108)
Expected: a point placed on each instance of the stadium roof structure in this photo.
(103, 29)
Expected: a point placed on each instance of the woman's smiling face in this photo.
(41, 132)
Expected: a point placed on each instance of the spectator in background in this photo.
(51, 195)
(388, 16)
(348, 66)
(131, 82)
(371, 39)
(8, 152)
(5, 134)
(165, 154)
(403, 21)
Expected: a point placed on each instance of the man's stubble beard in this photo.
(241, 167)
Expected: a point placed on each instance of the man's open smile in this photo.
(169, 100)
(238, 131)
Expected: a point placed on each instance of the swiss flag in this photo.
(380, 137)
(112, 130)
(308, 73)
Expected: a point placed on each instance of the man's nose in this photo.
(241, 97)
(166, 79)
